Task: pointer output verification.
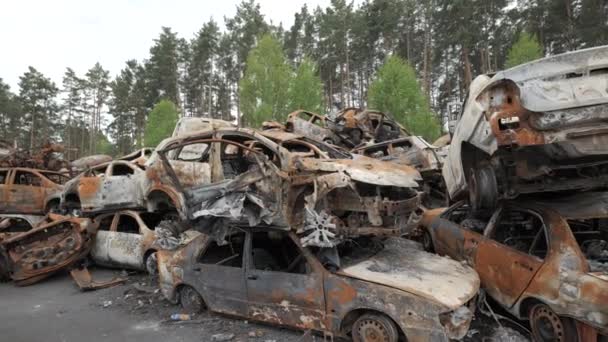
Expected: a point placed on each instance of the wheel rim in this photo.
(546, 325)
(152, 264)
(372, 331)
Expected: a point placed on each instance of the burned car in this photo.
(188, 125)
(30, 191)
(390, 292)
(537, 127)
(413, 151)
(312, 125)
(546, 262)
(127, 239)
(358, 126)
(106, 187)
(12, 225)
(240, 177)
(51, 247)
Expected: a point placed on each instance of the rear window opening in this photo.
(592, 237)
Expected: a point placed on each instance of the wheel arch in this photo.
(157, 197)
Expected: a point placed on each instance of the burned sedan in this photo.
(127, 239)
(542, 261)
(30, 191)
(50, 247)
(106, 187)
(240, 177)
(538, 127)
(391, 291)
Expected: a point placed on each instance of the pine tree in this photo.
(200, 70)
(72, 110)
(122, 128)
(396, 91)
(263, 89)
(97, 91)
(162, 69)
(41, 113)
(10, 114)
(305, 90)
(525, 49)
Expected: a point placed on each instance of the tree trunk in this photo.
(468, 77)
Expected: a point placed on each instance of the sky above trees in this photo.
(52, 35)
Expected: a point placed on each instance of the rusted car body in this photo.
(542, 261)
(367, 126)
(413, 151)
(34, 255)
(188, 125)
(312, 125)
(47, 157)
(106, 187)
(29, 191)
(240, 177)
(138, 157)
(13, 225)
(398, 292)
(81, 164)
(127, 239)
(538, 127)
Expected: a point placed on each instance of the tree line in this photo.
(408, 57)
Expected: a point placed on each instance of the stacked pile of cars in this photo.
(312, 223)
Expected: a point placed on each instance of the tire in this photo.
(483, 188)
(427, 241)
(374, 328)
(52, 208)
(190, 300)
(151, 263)
(547, 326)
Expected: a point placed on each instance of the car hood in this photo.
(404, 266)
(366, 170)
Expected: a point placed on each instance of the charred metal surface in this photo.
(138, 157)
(40, 252)
(367, 126)
(527, 254)
(311, 125)
(541, 126)
(277, 180)
(85, 281)
(45, 158)
(400, 283)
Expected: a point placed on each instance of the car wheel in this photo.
(427, 241)
(548, 326)
(151, 264)
(483, 188)
(374, 328)
(191, 301)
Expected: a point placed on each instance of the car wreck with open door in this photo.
(543, 260)
(359, 126)
(537, 127)
(368, 289)
(30, 191)
(243, 178)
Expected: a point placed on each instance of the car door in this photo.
(457, 232)
(120, 188)
(125, 242)
(90, 187)
(283, 285)
(107, 226)
(510, 253)
(219, 274)
(26, 193)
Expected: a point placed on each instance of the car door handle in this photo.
(196, 269)
(252, 277)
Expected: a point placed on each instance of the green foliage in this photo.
(161, 122)
(104, 146)
(306, 89)
(396, 91)
(525, 49)
(264, 87)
